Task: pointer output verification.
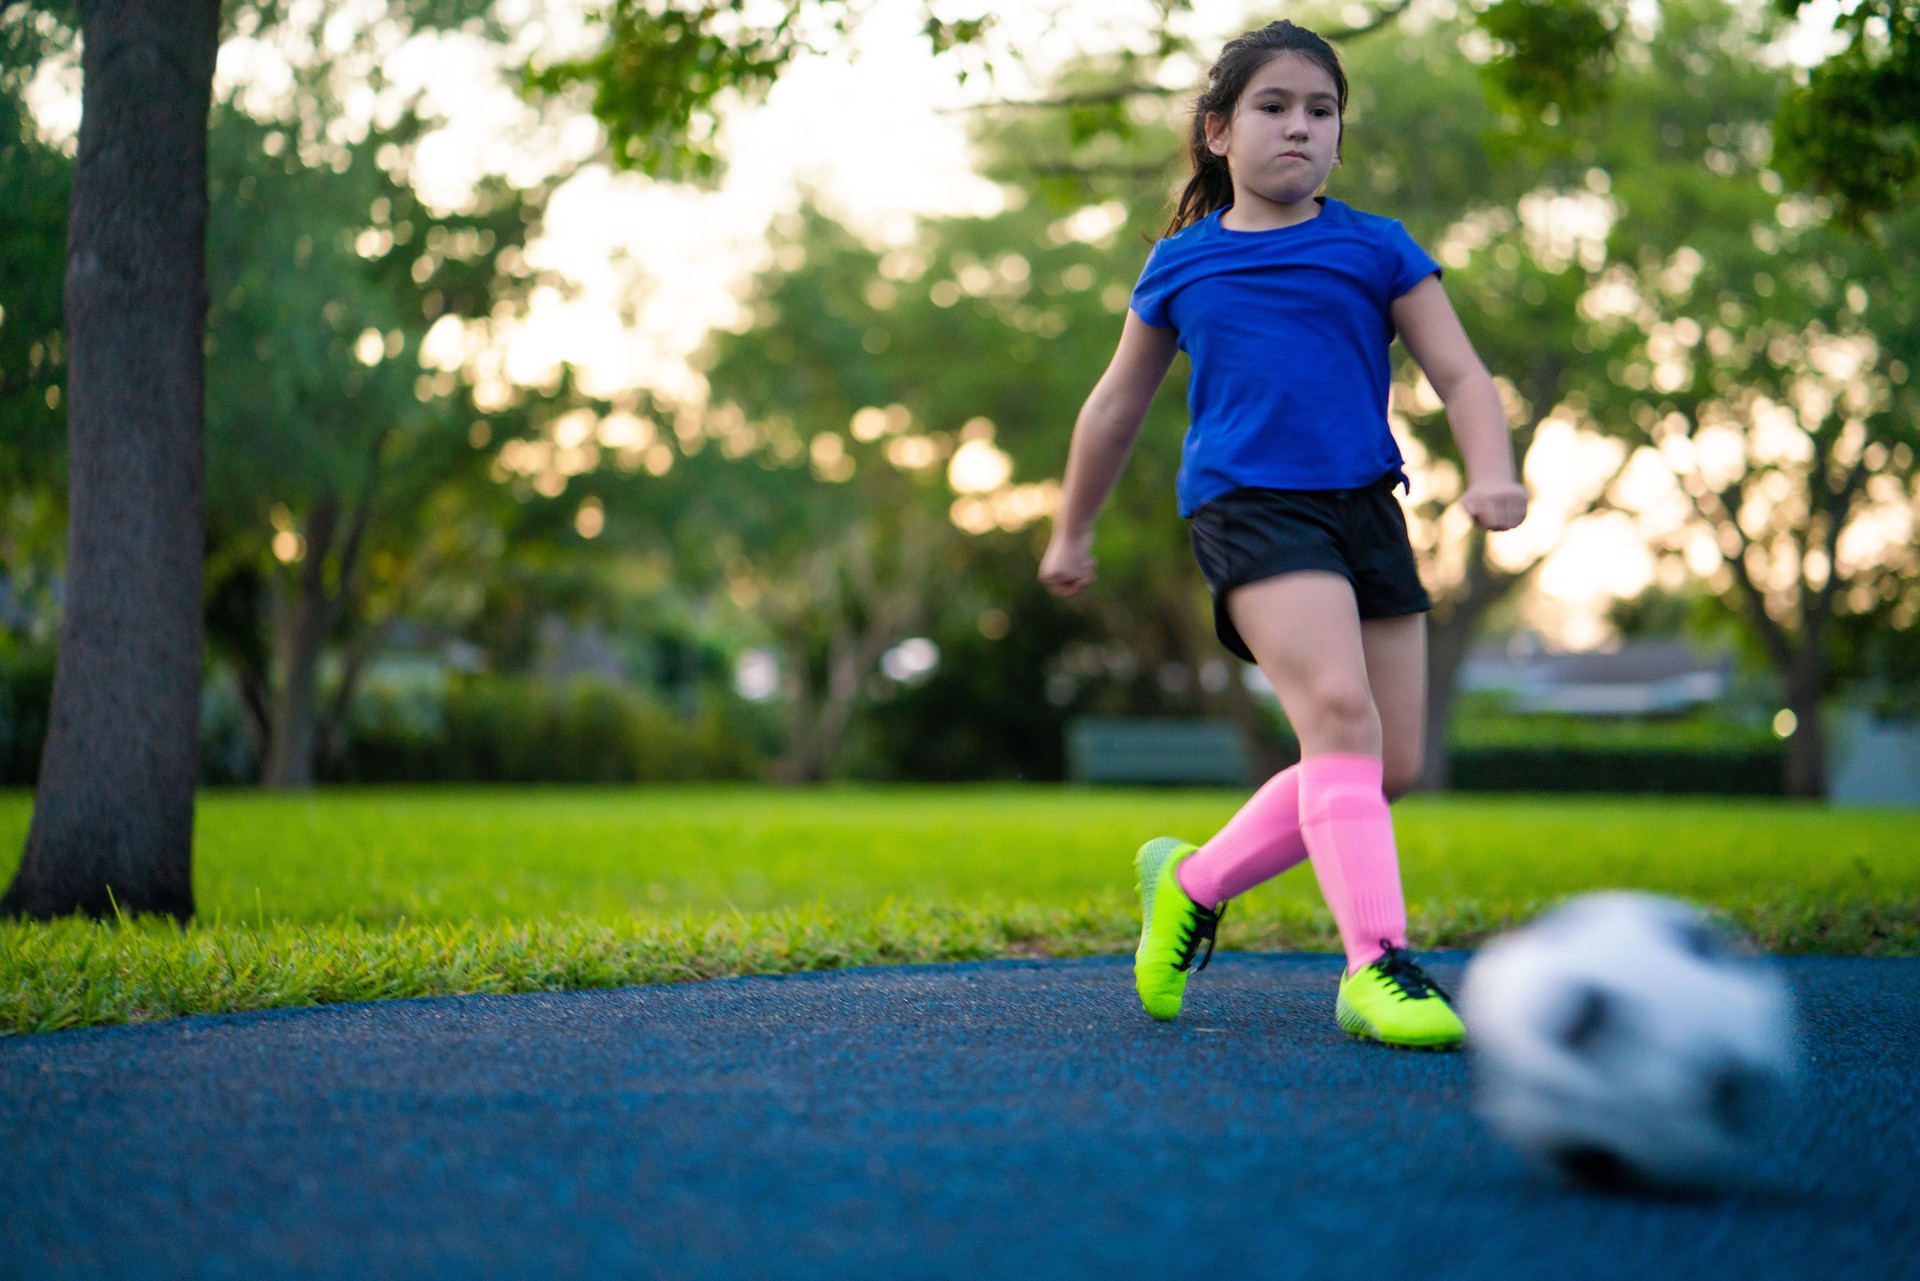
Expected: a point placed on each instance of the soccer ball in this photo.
(1629, 1042)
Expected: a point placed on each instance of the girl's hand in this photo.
(1500, 506)
(1067, 568)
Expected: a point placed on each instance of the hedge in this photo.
(1726, 772)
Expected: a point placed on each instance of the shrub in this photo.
(1724, 771)
(505, 730)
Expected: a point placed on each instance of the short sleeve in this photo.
(1155, 286)
(1407, 263)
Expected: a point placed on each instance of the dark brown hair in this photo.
(1211, 186)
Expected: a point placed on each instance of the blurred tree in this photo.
(327, 275)
(832, 526)
(1747, 343)
(1850, 131)
(663, 72)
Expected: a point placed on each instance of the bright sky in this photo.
(872, 131)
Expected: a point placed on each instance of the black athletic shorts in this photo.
(1361, 534)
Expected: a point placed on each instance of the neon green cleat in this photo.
(1171, 928)
(1393, 1001)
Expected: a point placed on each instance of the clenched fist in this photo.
(1499, 506)
(1067, 568)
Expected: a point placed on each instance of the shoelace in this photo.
(1398, 967)
(1206, 924)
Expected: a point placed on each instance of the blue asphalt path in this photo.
(1009, 1120)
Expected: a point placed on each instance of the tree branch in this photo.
(1086, 98)
(1382, 15)
(1062, 169)
(1839, 508)
(1772, 634)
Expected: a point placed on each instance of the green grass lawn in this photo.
(365, 894)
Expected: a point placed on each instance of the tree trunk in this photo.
(331, 740)
(799, 763)
(295, 734)
(1447, 643)
(256, 696)
(870, 607)
(298, 733)
(1450, 632)
(299, 630)
(851, 666)
(1806, 767)
(113, 816)
(819, 725)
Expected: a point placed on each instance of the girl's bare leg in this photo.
(1346, 685)
(1396, 650)
(1305, 630)
(1264, 839)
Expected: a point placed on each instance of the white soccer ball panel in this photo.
(1623, 1028)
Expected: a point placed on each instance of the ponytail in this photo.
(1211, 186)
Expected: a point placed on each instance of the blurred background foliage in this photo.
(824, 567)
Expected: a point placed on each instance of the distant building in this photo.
(1874, 762)
(1641, 678)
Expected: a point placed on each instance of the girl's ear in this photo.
(1216, 127)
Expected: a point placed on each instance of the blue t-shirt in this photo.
(1288, 332)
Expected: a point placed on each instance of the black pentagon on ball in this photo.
(1593, 1015)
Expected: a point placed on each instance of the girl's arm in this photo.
(1434, 335)
(1102, 437)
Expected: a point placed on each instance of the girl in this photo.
(1286, 304)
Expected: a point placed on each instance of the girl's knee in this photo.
(1337, 717)
(1345, 705)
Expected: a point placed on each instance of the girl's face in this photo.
(1284, 138)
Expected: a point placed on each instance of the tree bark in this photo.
(330, 740)
(819, 724)
(300, 627)
(297, 732)
(797, 763)
(1806, 768)
(112, 825)
(1450, 633)
(1447, 642)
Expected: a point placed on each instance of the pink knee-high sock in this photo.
(1258, 843)
(1349, 834)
